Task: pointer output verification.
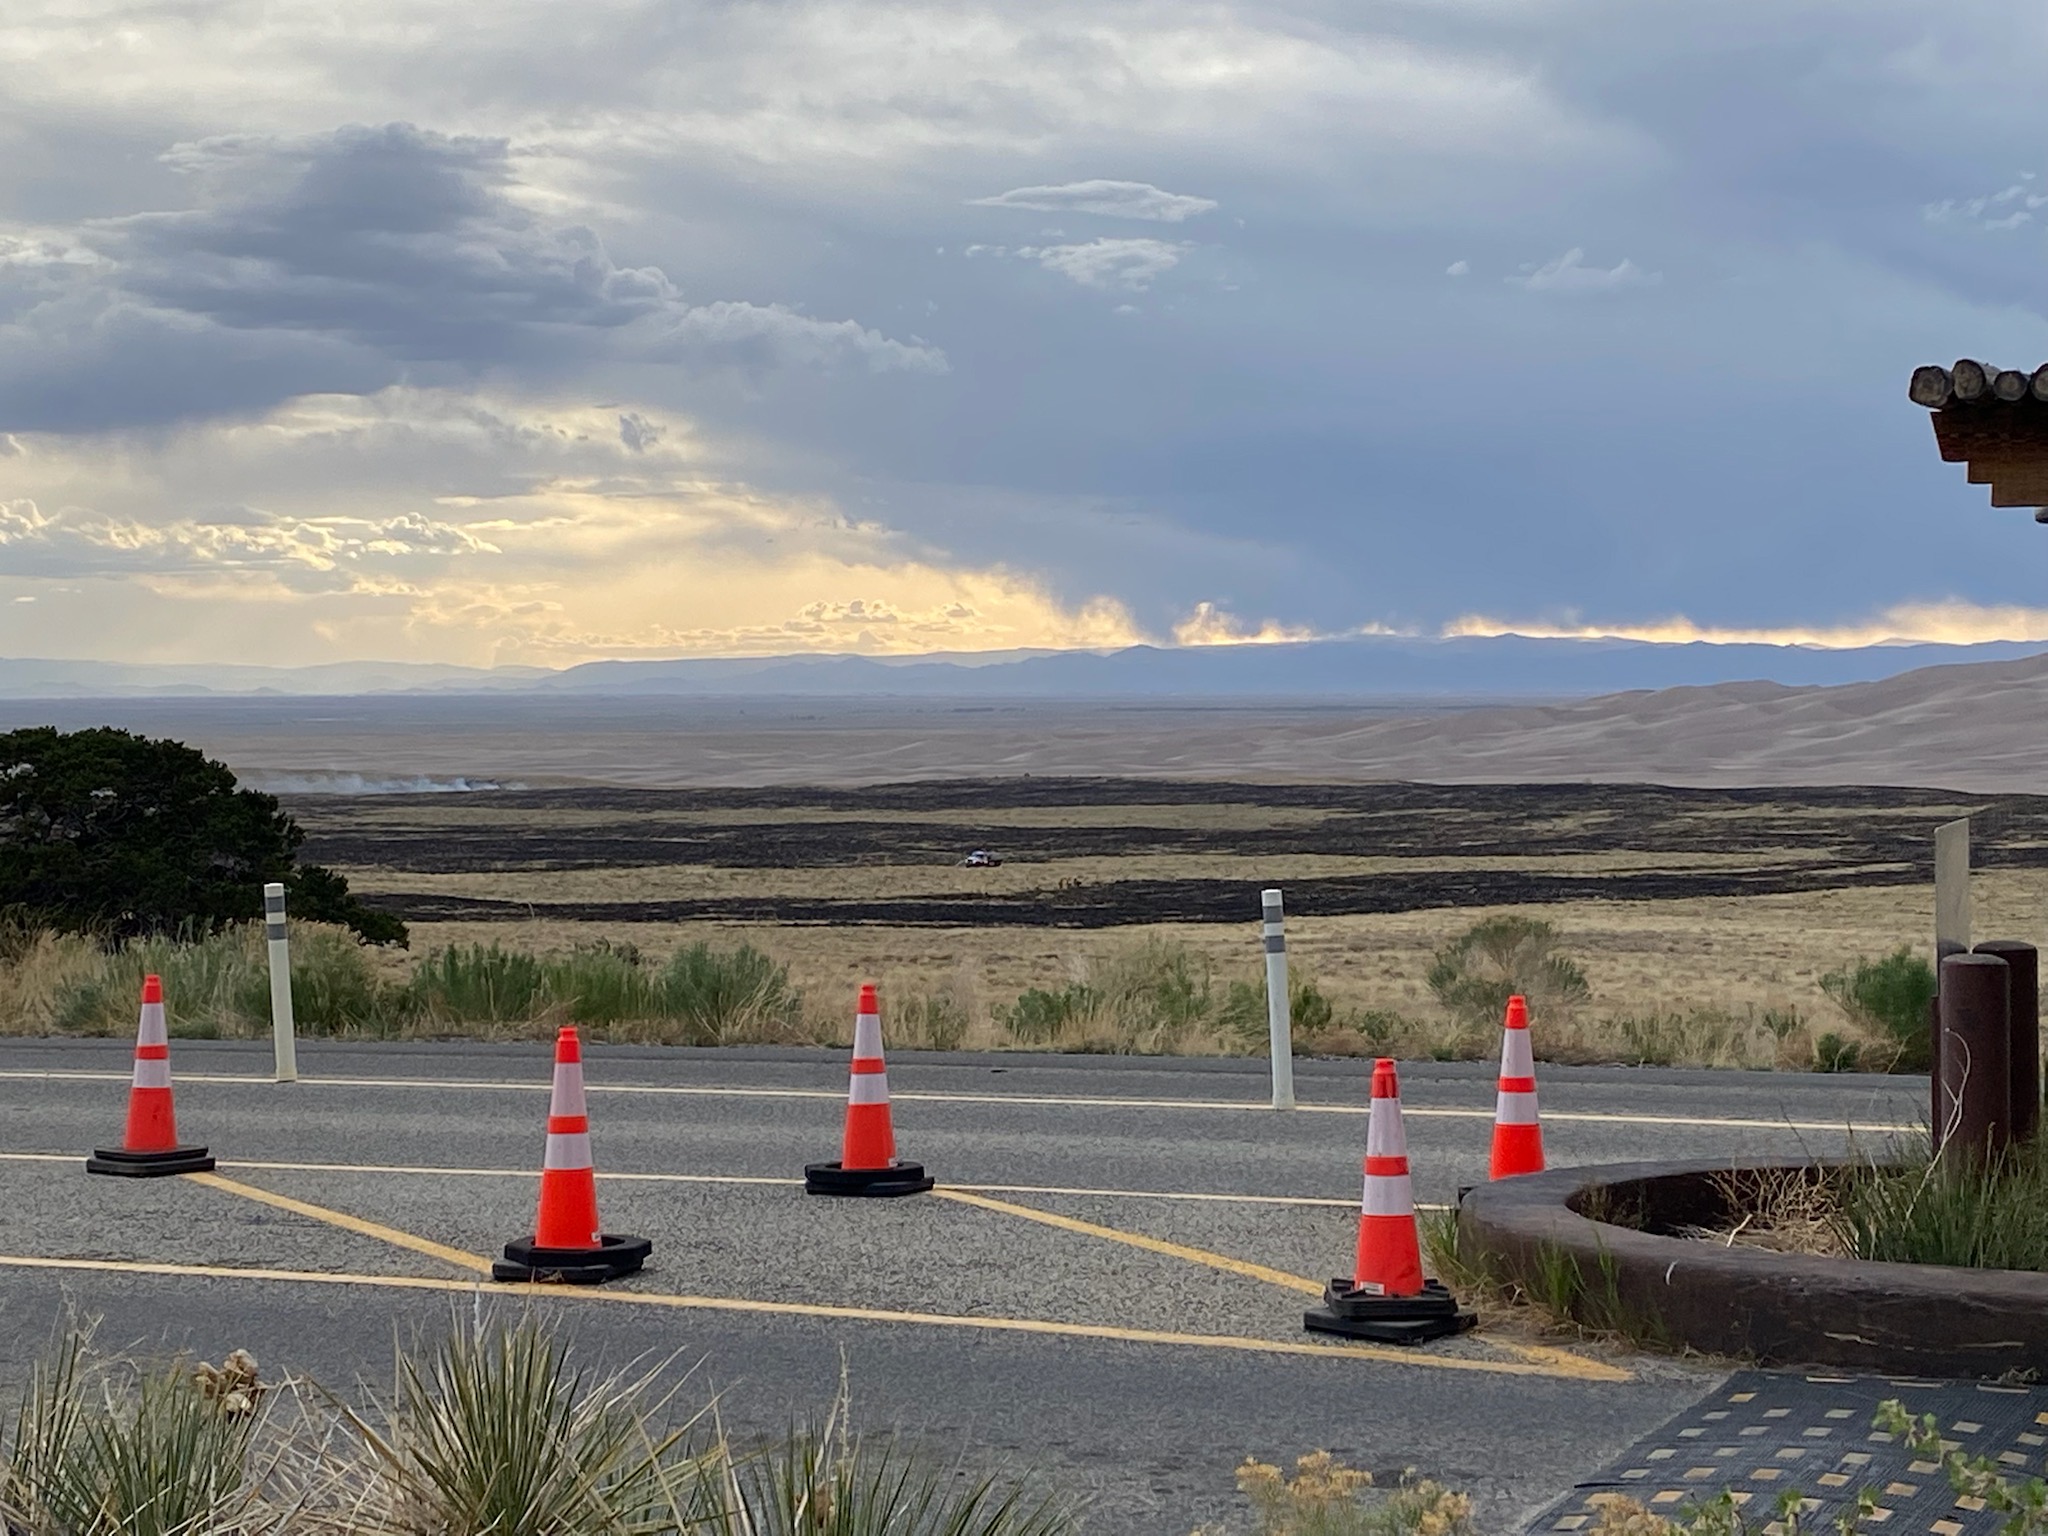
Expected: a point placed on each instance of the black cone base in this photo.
(896, 1179)
(149, 1165)
(1389, 1319)
(614, 1256)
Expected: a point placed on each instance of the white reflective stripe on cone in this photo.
(1516, 1057)
(568, 1150)
(152, 1072)
(567, 1099)
(1388, 1194)
(867, 1036)
(1385, 1136)
(1515, 1109)
(151, 1030)
(869, 1088)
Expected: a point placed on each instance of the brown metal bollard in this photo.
(1976, 1047)
(2024, 1052)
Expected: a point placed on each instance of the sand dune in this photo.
(1976, 727)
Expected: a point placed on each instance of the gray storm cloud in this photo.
(1329, 315)
(338, 262)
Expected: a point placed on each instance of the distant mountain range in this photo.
(1506, 668)
(1973, 727)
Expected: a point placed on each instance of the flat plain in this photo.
(1679, 904)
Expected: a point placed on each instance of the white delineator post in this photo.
(283, 1029)
(1279, 1025)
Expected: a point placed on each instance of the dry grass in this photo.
(1727, 957)
(1708, 971)
(1726, 980)
(1733, 981)
(1782, 1211)
(1702, 982)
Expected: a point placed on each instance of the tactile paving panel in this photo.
(1765, 1432)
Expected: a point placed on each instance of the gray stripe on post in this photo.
(273, 930)
(1276, 943)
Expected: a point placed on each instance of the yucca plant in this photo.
(117, 1454)
(822, 1483)
(496, 1434)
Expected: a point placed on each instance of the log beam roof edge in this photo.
(1995, 420)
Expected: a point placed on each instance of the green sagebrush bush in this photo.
(1475, 974)
(1889, 997)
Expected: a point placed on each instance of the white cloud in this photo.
(440, 525)
(1108, 263)
(816, 91)
(1950, 622)
(1113, 199)
(307, 554)
(1570, 274)
(1210, 625)
(1458, 269)
(2007, 208)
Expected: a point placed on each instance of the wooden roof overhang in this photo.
(1995, 421)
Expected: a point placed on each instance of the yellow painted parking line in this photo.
(1202, 1256)
(1248, 1106)
(433, 1250)
(1561, 1362)
(579, 1295)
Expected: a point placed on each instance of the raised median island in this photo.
(1634, 1247)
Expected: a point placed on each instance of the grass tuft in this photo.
(477, 984)
(1924, 1209)
(722, 997)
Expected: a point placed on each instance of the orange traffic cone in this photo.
(566, 1243)
(1387, 1297)
(1517, 1135)
(149, 1147)
(867, 1156)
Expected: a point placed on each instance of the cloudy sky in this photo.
(531, 332)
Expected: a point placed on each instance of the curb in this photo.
(1774, 1308)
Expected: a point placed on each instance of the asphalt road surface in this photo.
(1108, 1289)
